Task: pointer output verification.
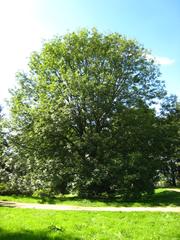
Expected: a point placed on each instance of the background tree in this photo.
(170, 132)
(83, 116)
(1, 137)
(3, 148)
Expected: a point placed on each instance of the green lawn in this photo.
(162, 197)
(30, 224)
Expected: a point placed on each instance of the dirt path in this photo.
(79, 208)
(174, 189)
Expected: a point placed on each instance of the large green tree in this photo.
(82, 116)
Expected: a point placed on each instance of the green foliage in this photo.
(1, 134)
(4, 189)
(3, 145)
(170, 128)
(82, 118)
(42, 193)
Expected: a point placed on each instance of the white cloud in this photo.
(164, 60)
(161, 60)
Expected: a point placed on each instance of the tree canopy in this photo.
(82, 117)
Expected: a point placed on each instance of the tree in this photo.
(83, 117)
(170, 132)
(1, 136)
(3, 146)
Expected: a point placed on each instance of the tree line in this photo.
(84, 119)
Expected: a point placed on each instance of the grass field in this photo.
(30, 224)
(162, 197)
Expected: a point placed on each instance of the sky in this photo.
(25, 24)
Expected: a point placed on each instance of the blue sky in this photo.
(25, 23)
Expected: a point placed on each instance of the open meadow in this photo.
(30, 224)
(33, 224)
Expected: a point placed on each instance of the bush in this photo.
(43, 193)
(4, 189)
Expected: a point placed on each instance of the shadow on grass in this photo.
(47, 200)
(38, 235)
(164, 198)
(7, 204)
(28, 199)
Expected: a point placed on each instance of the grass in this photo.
(31, 224)
(162, 197)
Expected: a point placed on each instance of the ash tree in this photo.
(82, 116)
